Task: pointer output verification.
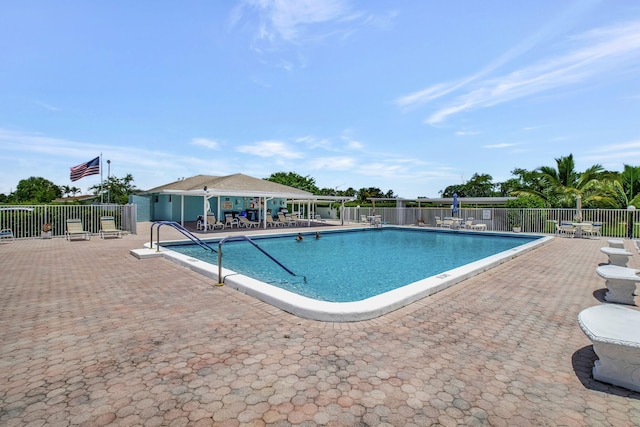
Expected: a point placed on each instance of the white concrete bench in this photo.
(614, 331)
(621, 283)
(615, 243)
(616, 256)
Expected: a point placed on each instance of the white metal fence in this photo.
(27, 221)
(615, 222)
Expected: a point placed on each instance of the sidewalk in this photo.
(90, 335)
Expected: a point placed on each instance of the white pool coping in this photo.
(366, 309)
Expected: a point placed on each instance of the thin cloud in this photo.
(625, 153)
(270, 149)
(290, 21)
(600, 52)
(333, 163)
(619, 147)
(502, 145)
(466, 133)
(548, 31)
(207, 143)
(46, 106)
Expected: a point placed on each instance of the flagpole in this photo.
(101, 193)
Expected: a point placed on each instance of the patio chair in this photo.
(297, 219)
(438, 222)
(213, 223)
(319, 219)
(285, 221)
(108, 227)
(244, 222)
(587, 230)
(230, 221)
(596, 229)
(75, 229)
(6, 234)
(566, 229)
(447, 223)
(272, 223)
(200, 223)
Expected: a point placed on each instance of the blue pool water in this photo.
(349, 266)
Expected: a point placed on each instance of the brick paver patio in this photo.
(90, 335)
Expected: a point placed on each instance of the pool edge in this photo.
(366, 309)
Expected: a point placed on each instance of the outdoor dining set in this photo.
(578, 229)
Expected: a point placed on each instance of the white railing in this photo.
(27, 221)
(615, 222)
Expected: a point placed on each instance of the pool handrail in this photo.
(182, 230)
(245, 238)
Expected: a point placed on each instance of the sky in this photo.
(403, 95)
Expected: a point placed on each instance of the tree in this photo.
(559, 186)
(36, 190)
(116, 190)
(629, 179)
(480, 185)
(371, 192)
(294, 180)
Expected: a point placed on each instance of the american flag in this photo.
(92, 167)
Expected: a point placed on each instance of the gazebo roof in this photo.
(232, 185)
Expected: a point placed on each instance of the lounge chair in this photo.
(244, 222)
(108, 227)
(447, 223)
(297, 219)
(438, 222)
(230, 221)
(75, 229)
(6, 234)
(212, 223)
(271, 222)
(285, 221)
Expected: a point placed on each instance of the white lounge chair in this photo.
(285, 221)
(75, 229)
(213, 223)
(244, 222)
(108, 227)
(230, 221)
(271, 222)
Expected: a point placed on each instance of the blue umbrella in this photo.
(454, 207)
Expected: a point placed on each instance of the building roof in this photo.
(233, 185)
(449, 200)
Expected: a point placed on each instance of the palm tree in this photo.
(560, 186)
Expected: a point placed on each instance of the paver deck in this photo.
(90, 335)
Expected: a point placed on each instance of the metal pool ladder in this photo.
(181, 229)
(245, 238)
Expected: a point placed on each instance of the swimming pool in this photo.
(355, 274)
